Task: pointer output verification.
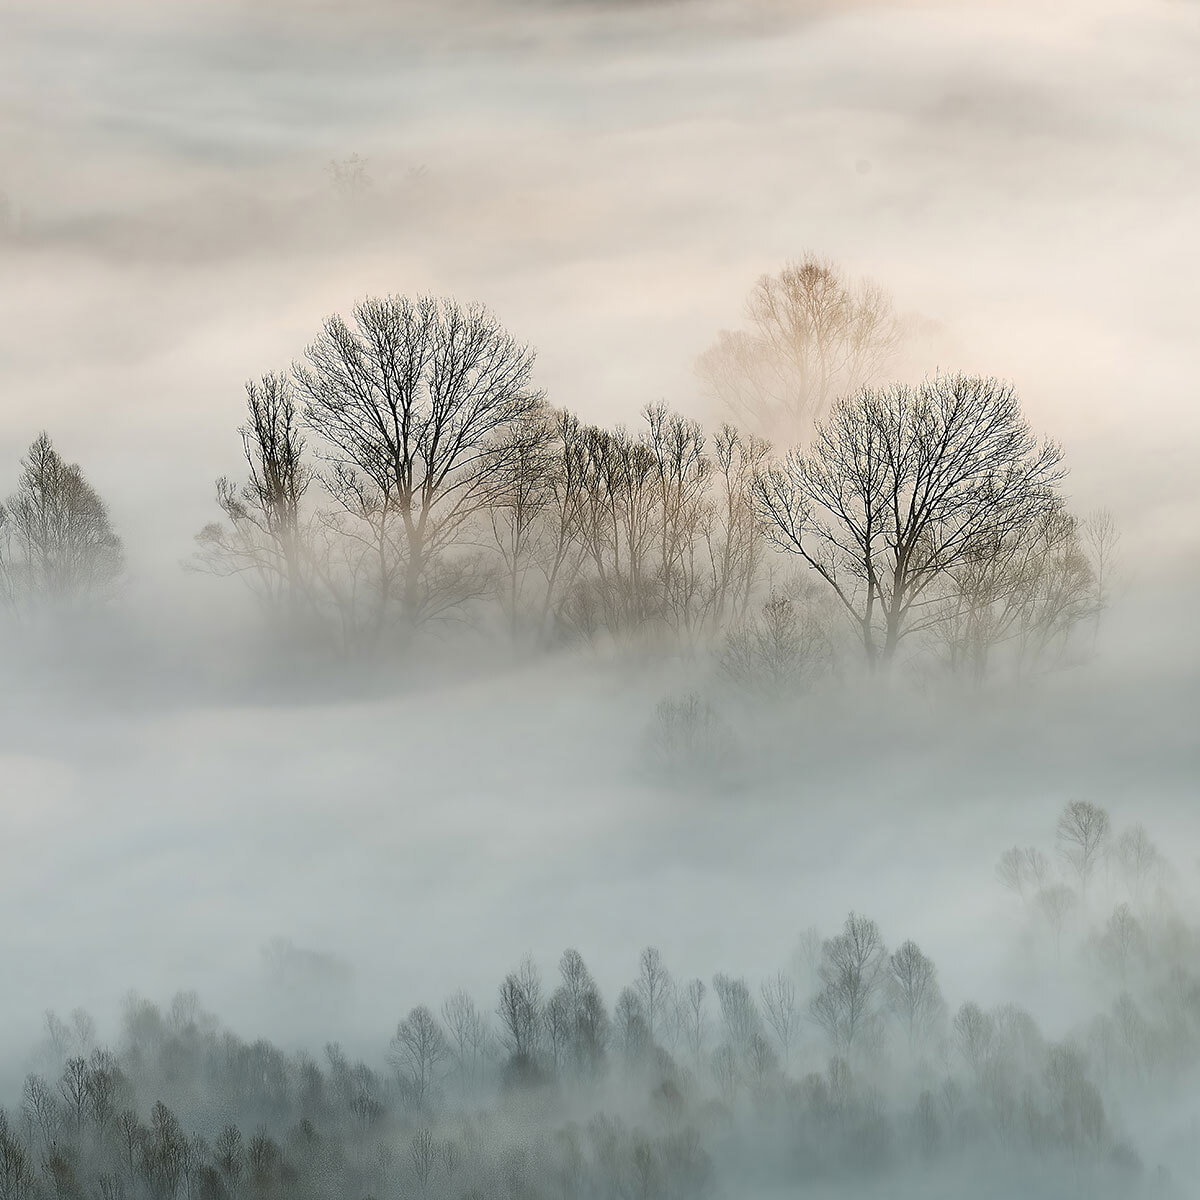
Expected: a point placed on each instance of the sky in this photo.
(610, 178)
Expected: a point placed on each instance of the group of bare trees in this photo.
(408, 470)
(444, 477)
(408, 473)
(58, 550)
(1085, 844)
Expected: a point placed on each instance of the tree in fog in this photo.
(40, 1109)
(688, 740)
(813, 333)
(420, 404)
(18, 1178)
(1082, 835)
(468, 1036)
(693, 1017)
(780, 1010)
(778, 651)
(520, 1013)
(587, 1018)
(913, 992)
(902, 486)
(1138, 858)
(654, 988)
(1122, 941)
(57, 545)
(1102, 537)
(1056, 903)
(1023, 869)
(1025, 591)
(630, 1030)
(531, 522)
(975, 1035)
(266, 541)
(417, 1053)
(852, 971)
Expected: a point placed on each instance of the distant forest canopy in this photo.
(846, 1071)
(406, 479)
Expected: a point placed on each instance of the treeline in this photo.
(848, 1066)
(407, 476)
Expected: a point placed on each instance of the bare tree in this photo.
(1026, 590)
(813, 334)
(41, 1109)
(779, 1008)
(468, 1036)
(734, 540)
(520, 1010)
(975, 1032)
(778, 651)
(1056, 903)
(740, 1018)
(57, 546)
(693, 1017)
(1082, 836)
(1102, 539)
(531, 532)
(425, 399)
(1138, 858)
(588, 1017)
(266, 541)
(913, 992)
(629, 1025)
(654, 987)
(557, 1025)
(851, 974)
(900, 488)
(1122, 940)
(416, 1054)
(18, 1179)
(73, 1089)
(1023, 869)
(423, 1156)
(688, 741)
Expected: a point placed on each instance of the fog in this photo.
(315, 846)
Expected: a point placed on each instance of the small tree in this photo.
(57, 546)
(1082, 836)
(913, 992)
(779, 1008)
(266, 541)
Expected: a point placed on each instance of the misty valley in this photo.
(597, 600)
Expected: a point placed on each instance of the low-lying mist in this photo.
(686, 681)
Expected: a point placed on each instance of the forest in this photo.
(846, 1071)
